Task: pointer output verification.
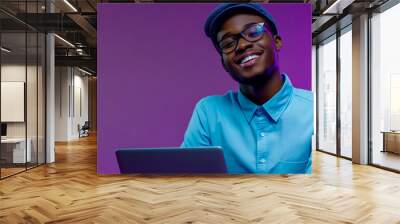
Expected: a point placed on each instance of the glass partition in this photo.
(22, 77)
(31, 100)
(41, 107)
(14, 153)
(327, 95)
(346, 93)
(385, 89)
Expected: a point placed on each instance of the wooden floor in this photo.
(387, 159)
(70, 191)
(5, 172)
(10, 171)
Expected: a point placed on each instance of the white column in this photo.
(50, 92)
(50, 110)
(360, 90)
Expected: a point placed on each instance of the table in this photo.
(391, 141)
(15, 148)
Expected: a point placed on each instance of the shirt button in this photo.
(263, 160)
(262, 134)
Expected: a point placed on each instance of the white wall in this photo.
(81, 103)
(13, 72)
(62, 80)
(16, 72)
(12, 101)
(70, 83)
(33, 127)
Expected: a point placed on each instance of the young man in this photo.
(266, 126)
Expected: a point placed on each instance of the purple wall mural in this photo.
(155, 63)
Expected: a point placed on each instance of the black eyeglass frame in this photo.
(242, 34)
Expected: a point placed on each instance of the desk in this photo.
(15, 148)
(391, 141)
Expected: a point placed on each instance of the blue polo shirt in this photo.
(271, 138)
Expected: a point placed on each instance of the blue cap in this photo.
(223, 11)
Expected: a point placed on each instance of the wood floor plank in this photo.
(70, 191)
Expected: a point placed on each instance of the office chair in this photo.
(84, 130)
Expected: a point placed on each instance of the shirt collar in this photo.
(274, 106)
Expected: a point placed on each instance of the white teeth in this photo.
(248, 58)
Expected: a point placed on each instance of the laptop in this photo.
(198, 160)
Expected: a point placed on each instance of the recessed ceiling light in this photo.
(84, 71)
(338, 6)
(70, 5)
(65, 41)
(5, 50)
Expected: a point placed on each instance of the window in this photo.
(385, 89)
(346, 92)
(327, 95)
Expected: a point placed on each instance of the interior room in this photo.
(49, 124)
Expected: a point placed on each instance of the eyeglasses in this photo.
(252, 33)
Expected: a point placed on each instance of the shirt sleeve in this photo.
(197, 132)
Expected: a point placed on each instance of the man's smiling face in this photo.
(251, 63)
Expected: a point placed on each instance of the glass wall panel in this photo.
(22, 88)
(346, 93)
(32, 85)
(327, 95)
(41, 98)
(385, 85)
(14, 153)
(31, 101)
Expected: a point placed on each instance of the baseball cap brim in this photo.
(224, 11)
